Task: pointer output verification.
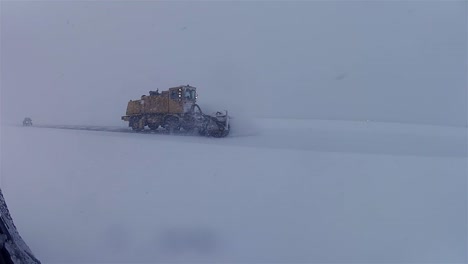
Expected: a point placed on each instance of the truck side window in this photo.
(174, 94)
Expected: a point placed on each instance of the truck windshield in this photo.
(189, 94)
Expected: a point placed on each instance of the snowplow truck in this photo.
(175, 110)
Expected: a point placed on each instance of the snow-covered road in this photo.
(274, 191)
(327, 136)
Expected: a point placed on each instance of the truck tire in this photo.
(172, 124)
(153, 126)
(135, 124)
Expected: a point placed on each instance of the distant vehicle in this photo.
(175, 110)
(27, 121)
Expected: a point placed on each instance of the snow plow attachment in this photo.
(218, 125)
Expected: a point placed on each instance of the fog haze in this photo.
(299, 178)
(80, 62)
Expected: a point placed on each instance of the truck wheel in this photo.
(136, 127)
(202, 132)
(135, 124)
(188, 129)
(153, 126)
(172, 124)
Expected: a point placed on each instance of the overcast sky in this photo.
(80, 62)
